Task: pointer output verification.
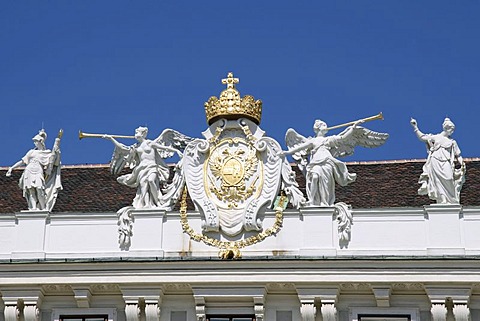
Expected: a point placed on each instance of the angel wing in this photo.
(120, 159)
(360, 137)
(174, 139)
(293, 139)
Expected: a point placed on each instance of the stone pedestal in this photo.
(318, 231)
(147, 232)
(30, 239)
(444, 229)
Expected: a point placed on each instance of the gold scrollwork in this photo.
(214, 139)
(230, 249)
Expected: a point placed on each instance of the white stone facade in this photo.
(417, 264)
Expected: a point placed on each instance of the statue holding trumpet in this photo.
(317, 156)
(146, 159)
(149, 173)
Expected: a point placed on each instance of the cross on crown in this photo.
(230, 81)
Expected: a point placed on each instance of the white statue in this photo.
(440, 180)
(40, 180)
(316, 157)
(150, 172)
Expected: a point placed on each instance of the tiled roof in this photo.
(91, 188)
(395, 184)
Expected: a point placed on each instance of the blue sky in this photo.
(111, 66)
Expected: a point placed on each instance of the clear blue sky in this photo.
(111, 66)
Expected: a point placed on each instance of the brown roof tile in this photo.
(91, 188)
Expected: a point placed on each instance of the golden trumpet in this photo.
(378, 116)
(87, 135)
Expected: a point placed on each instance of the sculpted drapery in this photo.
(40, 181)
(316, 158)
(149, 171)
(440, 180)
(149, 174)
(323, 171)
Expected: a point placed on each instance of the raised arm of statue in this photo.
(440, 179)
(346, 134)
(423, 137)
(116, 142)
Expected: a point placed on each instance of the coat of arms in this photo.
(235, 173)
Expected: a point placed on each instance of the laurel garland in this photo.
(230, 249)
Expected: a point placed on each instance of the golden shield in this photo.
(232, 173)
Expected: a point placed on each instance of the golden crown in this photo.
(231, 106)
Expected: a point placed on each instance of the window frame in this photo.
(83, 317)
(231, 317)
(357, 313)
(361, 317)
(111, 313)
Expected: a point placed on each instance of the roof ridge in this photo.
(401, 161)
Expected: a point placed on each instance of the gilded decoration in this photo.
(235, 174)
(230, 105)
(231, 249)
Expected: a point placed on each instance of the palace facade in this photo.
(404, 260)
(234, 232)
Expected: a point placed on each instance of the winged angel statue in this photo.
(149, 174)
(317, 159)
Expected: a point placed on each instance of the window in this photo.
(84, 314)
(384, 314)
(384, 317)
(230, 318)
(84, 318)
